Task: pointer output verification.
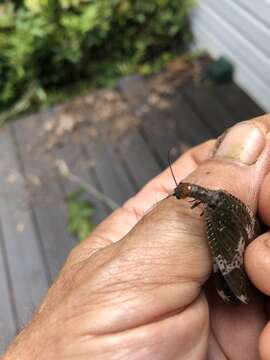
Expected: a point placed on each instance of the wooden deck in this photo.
(116, 151)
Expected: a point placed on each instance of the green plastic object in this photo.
(220, 71)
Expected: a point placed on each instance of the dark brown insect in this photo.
(231, 225)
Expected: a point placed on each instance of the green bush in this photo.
(54, 44)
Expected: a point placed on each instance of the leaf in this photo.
(79, 213)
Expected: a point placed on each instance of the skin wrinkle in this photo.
(159, 263)
(182, 213)
(217, 343)
(161, 245)
(76, 277)
(147, 282)
(163, 190)
(101, 242)
(127, 206)
(144, 279)
(153, 320)
(117, 285)
(257, 175)
(141, 278)
(84, 271)
(111, 237)
(257, 263)
(110, 290)
(132, 284)
(169, 315)
(264, 343)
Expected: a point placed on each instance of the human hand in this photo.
(135, 288)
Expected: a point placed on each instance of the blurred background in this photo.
(53, 49)
(93, 95)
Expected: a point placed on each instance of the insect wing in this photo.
(227, 240)
(223, 288)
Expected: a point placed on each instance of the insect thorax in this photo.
(212, 198)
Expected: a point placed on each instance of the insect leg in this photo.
(195, 203)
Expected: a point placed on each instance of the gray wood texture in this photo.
(111, 175)
(8, 318)
(27, 274)
(49, 207)
(138, 158)
(82, 166)
(209, 108)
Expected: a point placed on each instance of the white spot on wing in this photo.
(237, 261)
(223, 296)
(243, 298)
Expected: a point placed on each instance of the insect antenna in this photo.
(170, 165)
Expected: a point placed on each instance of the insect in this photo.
(230, 226)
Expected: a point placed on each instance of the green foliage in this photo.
(56, 43)
(80, 212)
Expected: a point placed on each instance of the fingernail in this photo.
(243, 142)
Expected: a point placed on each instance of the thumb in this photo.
(161, 264)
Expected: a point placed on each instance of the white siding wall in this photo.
(240, 30)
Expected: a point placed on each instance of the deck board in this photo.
(159, 144)
(175, 130)
(111, 175)
(189, 125)
(237, 101)
(8, 321)
(209, 108)
(24, 257)
(138, 158)
(49, 206)
(82, 166)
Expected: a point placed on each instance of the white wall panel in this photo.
(239, 31)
